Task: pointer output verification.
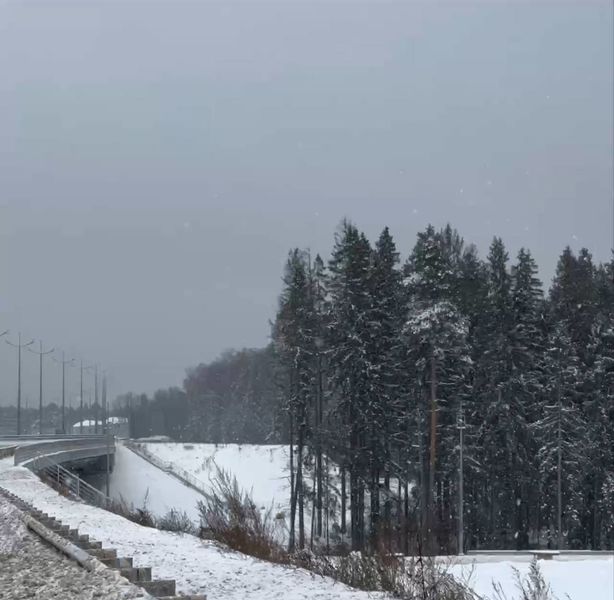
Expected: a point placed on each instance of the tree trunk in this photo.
(432, 456)
(319, 420)
(343, 500)
(300, 489)
(291, 540)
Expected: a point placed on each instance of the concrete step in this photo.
(88, 545)
(103, 554)
(49, 522)
(159, 587)
(136, 574)
(117, 563)
(192, 597)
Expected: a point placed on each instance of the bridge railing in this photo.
(170, 467)
(67, 481)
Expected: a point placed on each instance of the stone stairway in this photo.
(163, 589)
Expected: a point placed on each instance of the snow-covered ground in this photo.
(264, 470)
(29, 568)
(197, 566)
(138, 482)
(579, 578)
(261, 469)
(202, 567)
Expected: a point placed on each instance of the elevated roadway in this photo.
(81, 452)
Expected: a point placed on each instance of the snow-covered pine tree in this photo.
(351, 355)
(293, 335)
(527, 346)
(319, 304)
(561, 439)
(599, 412)
(385, 289)
(435, 333)
(496, 427)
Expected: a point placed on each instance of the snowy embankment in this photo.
(138, 483)
(29, 568)
(197, 566)
(261, 469)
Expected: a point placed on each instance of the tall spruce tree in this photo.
(352, 360)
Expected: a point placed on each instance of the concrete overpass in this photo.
(79, 453)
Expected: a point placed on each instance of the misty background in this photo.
(158, 159)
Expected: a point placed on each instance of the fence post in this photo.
(78, 488)
(57, 469)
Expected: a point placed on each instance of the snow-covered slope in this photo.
(138, 482)
(197, 566)
(261, 469)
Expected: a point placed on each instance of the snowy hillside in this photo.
(139, 483)
(198, 566)
(261, 469)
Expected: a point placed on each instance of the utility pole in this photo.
(107, 432)
(81, 401)
(81, 396)
(40, 382)
(461, 485)
(64, 362)
(96, 406)
(19, 346)
(105, 408)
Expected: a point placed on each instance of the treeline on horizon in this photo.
(375, 362)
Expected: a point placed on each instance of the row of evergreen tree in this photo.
(380, 365)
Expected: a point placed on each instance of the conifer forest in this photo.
(379, 365)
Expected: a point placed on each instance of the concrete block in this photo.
(159, 587)
(117, 563)
(136, 574)
(192, 597)
(106, 553)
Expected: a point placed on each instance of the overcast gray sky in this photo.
(158, 159)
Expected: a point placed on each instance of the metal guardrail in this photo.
(168, 467)
(70, 482)
(537, 551)
(46, 436)
(6, 451)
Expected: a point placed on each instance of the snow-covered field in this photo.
(580, 578)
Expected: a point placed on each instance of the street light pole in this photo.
(81, 401)
(64, 362)
(19, 346)
(96, 407)
(40, 382)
